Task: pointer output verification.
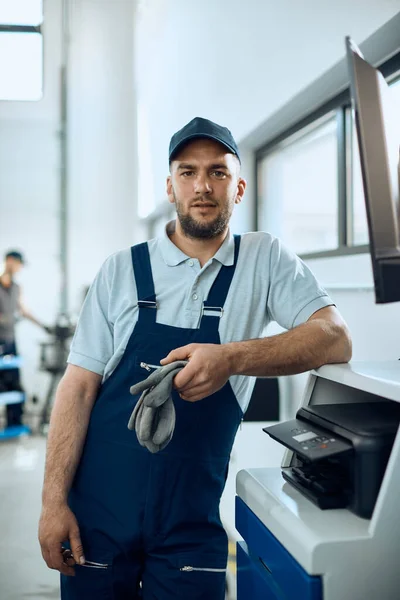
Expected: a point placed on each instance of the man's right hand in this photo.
(57, 525)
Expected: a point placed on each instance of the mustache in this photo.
(201, 200)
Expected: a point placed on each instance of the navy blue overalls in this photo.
(150, 523)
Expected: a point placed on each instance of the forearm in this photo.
(67, 433)
(27, 315)
(308, 346)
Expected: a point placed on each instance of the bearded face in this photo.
(204, 186)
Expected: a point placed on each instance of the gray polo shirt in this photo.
(270, 284)
(8, 311)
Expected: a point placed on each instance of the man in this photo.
(11, 306)
(143, 525)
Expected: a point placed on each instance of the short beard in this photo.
(195, 230)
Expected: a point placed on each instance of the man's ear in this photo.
(170, 190)
(241, 186)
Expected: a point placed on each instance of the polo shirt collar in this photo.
(173, 256)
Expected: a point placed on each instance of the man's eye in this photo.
(187, 173)
(219, 174)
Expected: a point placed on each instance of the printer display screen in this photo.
(303, 437)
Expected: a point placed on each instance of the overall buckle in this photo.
(147, 304)
(217, 311)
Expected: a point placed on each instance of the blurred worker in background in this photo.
(11, 309)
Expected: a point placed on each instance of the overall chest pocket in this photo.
(144, 364)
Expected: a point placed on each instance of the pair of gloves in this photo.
(153, 417)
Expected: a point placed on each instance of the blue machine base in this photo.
(14, 431)
(265, 569)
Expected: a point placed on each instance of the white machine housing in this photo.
(356, 558)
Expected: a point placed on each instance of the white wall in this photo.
(101, 137)
(375, 327)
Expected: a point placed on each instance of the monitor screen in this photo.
(378, 134)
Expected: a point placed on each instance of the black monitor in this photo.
(379, 143)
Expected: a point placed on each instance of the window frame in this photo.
(341, 106)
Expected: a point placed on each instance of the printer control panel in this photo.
(308, 440)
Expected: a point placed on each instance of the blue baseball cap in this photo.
(202, 128)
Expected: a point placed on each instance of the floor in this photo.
(23, 574)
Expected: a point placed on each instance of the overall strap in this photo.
(144, 283)
(213, 307)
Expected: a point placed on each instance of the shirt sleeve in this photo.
(93, 343)
(294, 292)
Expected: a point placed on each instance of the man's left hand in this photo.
(208, 370)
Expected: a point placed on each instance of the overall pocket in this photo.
(94, 565)
(94, 579)
(202, 576)
(146, 364)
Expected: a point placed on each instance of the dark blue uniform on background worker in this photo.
(12, 307)
(126, 522)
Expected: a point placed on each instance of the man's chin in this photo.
(200, 230)
(200, 233)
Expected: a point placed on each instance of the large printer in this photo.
(326, 526)
(340, 451)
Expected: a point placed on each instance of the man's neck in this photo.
(202, 249)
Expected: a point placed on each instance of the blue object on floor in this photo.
(14, 431)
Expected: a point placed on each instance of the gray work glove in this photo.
(153, 417)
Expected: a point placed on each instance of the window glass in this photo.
(298, 191)
(21, 76)
(21, 12)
